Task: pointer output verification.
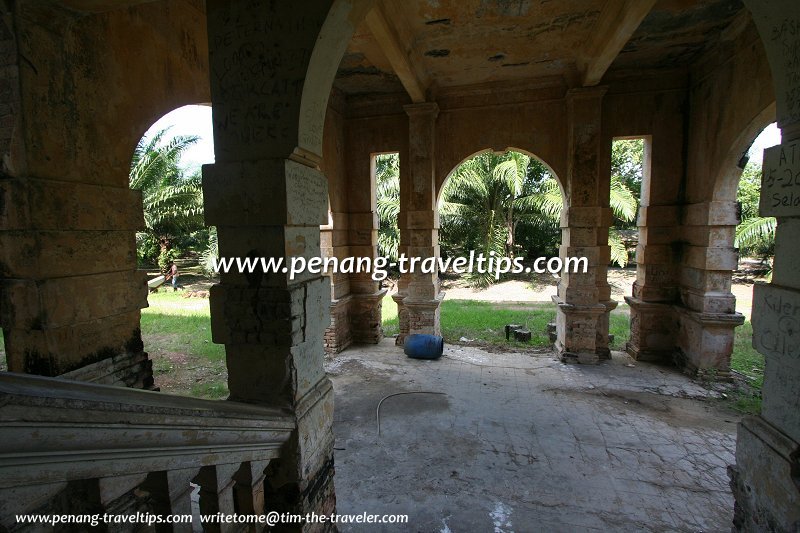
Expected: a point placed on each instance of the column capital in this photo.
(422, 109)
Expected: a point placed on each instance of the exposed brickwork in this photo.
(338, 336)
(365, 318)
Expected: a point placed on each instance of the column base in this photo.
(402, 319)
(653, 331)
(766, 478)
(604, 340)
(365, 317)
(577, 332)
(301, 481)
(705, 343)
(339, 335)
(424, 315)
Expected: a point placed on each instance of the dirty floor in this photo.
(521, 443)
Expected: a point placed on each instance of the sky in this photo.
(769, 137)
(189, 120)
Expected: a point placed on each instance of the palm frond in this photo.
(622, 200)
(619, 254)
(755, 231)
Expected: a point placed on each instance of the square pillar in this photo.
(366, 302)
(583, 302)
(653, 322)
(268, 198)
(706, 315)
(333, 243)
(766, 477)
(418, 298)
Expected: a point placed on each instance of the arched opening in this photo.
(175, 326)
(505, 207)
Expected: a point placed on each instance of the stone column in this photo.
(419, 299)
(766, 480)
(367, 295)
(653, 326)
(333, 243)
(583, 300)
(655, 291)
(268, 198)
(707, 315)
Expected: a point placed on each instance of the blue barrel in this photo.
(421, 346)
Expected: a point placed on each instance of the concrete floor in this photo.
(523, 443)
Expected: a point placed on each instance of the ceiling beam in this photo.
(616, 24)
(395, 52)
(100, 6)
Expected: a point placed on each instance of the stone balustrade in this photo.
(71, 447)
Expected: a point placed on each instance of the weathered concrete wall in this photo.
(333, 235)
(730, 89)
(654, 105)
(358, 293)
(9, 89)
(367, 136)
(106, 78)
(90, 86)
(527, 116)
(334, 153)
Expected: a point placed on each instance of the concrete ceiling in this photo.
(676, 32)
(413, 45)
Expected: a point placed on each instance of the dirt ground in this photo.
(539, 288)
(543, 287)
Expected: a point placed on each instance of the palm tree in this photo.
(172, 200)
(490, 194)
(387, 185)
(622, 201)
(485, 200)
(755, 235)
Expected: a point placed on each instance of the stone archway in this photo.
(67, 165)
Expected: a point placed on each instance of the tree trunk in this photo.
(165, 243)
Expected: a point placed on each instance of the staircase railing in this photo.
(72, 447)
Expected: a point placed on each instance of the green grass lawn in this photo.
(485, 322)
(748, 362)
(177, 335)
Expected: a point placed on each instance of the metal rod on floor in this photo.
(378, 409)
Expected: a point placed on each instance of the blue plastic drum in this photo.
(422, 346)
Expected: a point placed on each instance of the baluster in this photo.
(171, 494)
(115, 493)
(216, 494)
(249, 488)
